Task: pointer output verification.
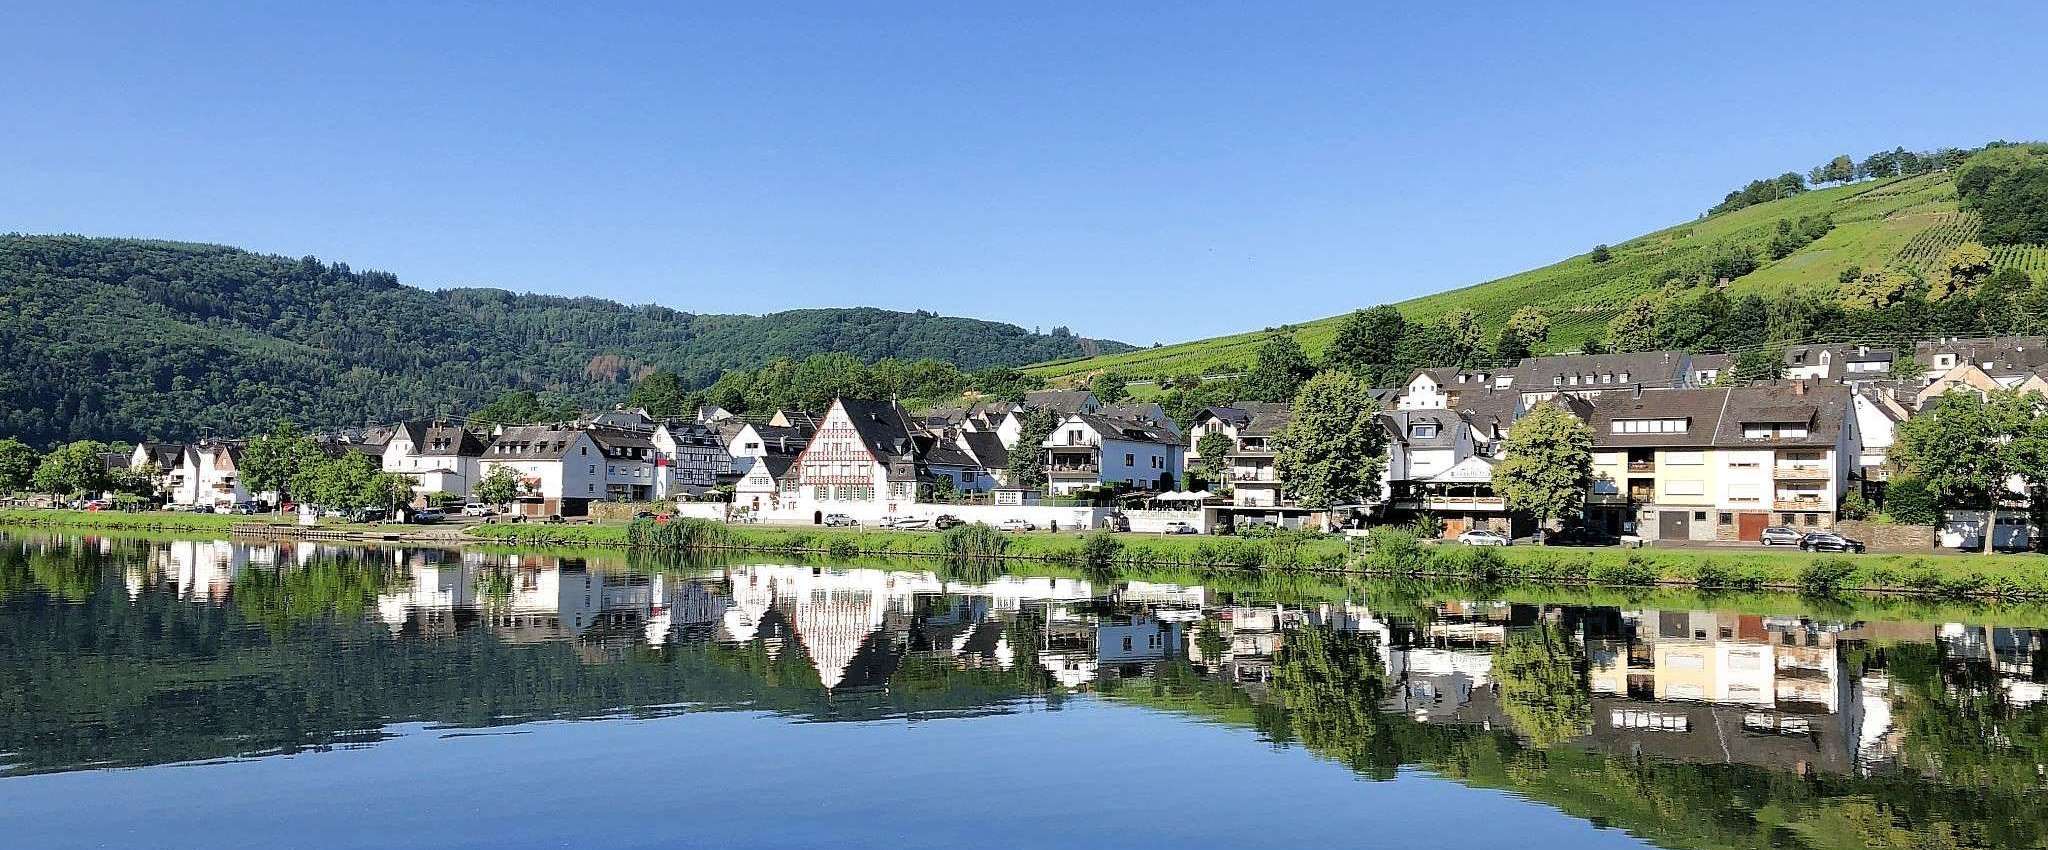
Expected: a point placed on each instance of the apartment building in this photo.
(1721, 463)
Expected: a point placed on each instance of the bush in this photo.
(1427, 527)
(843, 547)
(1826, 576)
(1100, 549)
(1632, 570)
(1909, 501)
(1855, 507)
(974, 540)
(1473, 563)
(1392, 550)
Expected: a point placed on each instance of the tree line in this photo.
(1897, 162)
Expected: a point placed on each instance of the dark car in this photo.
(945, 521)
(372, 515)
(427, 517)
(1779, 535)
(1828, 541)
(1581, 536)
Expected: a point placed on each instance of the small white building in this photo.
(559, 468)
(441, 458)
(1087, 451)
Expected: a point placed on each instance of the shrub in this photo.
(1909, 501)
(1472, 563)
(1100, 549)
(1393, 550)
(974, 540)
(1427, 527)
(843, 547)
(1825, 576)
(1634, 569)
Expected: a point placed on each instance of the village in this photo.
(1680, 456)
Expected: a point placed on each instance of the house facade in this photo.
(559, 468)
(863, 462)
(1721, 463)
(441, 458)
(689, 459)
(1087, 451)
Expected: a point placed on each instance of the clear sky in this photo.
(1149, 172)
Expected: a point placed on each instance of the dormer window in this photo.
(1624, 377)
(1422, 429)
(1607, 378)
(1557, 381)
(1648, 426)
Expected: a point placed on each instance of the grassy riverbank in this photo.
(1391, 554)
(136, 520)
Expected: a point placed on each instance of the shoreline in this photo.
(1956, 576)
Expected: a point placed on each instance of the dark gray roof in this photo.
(2008, 354)
(1649, 368)
(777, 465)
(533, 442)
(1267, 420)
(882, 425)
(1064, 401)
(1124, 429)
(439, 439)
(622, 439)
(165, 455)
(1400, 425)
(944, 453)
(1715, 416)
(988, 448)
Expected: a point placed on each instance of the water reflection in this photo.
(1765, 725)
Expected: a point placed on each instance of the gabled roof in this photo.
(987, 448)
(619, 439)
(1064, 401)
(882, 425)
(1400, 427)
(1649, 368)
(1267, 420)
(777, 465)
(533, 442)
(164, 455)
(1126, 430)
(1715, 417)
(945, 453)
(438, 439)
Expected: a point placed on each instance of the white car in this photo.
(1016, 525)
(1179, 527)
(477, 509)
(1483, 537)
(840, 521)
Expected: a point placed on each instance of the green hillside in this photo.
(1911, 221)
(126, 339)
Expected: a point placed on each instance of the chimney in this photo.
(1799, 387)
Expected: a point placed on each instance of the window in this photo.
(1648, 426)
(1422, 429)
(1727, 518)
(1699, 516)
(1812, 520)
(1127, 643)
(583, 450)
(1074, 437)
(1557, 381)
(1686, 487)
(593, 469)
(1624, 377)
(1130, 459)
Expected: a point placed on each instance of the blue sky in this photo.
(1154, 172)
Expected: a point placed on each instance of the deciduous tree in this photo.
(1333, 450)
(73, 469)
(1027, 458)
(1546, 465)
(1968, 448)
(498, 487)
(1280, 370)
(17, 464)
(1367, 340)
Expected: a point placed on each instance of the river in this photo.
(170, 693)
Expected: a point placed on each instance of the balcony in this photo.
(1258, 449)
(1451, 503)
(1802, 471)
(1089, 471)
(1642, 466)
(1807, 505)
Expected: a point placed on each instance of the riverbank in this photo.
(1390, 553)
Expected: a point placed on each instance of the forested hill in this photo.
(130, 339)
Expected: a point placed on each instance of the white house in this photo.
(559, 468)
(441, 458)
(628, 464)
(765, 483)
(689, 458)
(863, 461)
(207, 476)
(1087, 451)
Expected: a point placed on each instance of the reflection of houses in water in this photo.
(200, 571)
(1728, 687)
(1083, 643)
(1441, 671)
(2017, 657)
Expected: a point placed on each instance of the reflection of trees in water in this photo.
(1542, 679)
(1961, 724)
(1332, 683)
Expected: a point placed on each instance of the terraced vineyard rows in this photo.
(2032, 259)
(1930, 245)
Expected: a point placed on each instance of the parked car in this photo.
(428, 516)
(1779, 535)
(99, 504)
(477, 509)
(1179, 527)
(945, 521)
(1581, 536)
(372, 515)
(1484, 537)
(1017, 525)
(838, 520)
(1828, 541)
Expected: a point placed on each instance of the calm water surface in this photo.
(214, 694)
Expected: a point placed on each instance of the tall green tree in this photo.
(1333, 450)
(1108, 388)
(498, 487)
(1027, 458)
(1528, 328)
(1636, 328)
(661, 393)
(1214, 449)
(1367, 340)
(278, 460)
(1546, 465)
(73, 469)
(17, 464)
(1964, 267)
(1280, 370)
(341, 482)
(1968, 448)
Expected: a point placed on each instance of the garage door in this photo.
(1751, 526)
(1674, 525)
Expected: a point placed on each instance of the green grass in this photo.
(138, 520)
(1910, 221)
